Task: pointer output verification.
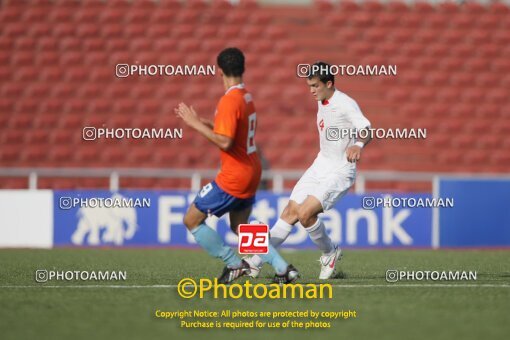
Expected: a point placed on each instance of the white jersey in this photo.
(335, 117)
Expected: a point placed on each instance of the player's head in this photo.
(231, 62)
(321, 81)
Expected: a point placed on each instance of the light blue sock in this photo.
(209, 239)
(275, 260)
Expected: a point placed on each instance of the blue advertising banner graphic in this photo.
(154, 218)
(481, 216)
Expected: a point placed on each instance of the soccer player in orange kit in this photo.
(234, 188)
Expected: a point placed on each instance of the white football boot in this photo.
(254, 270)
(328, 263)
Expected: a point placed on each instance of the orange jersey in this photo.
(240, 170)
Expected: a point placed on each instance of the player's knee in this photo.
(306, 218)
(234, 228)
(190, 222)
(290, 213)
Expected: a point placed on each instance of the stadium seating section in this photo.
(57, 75)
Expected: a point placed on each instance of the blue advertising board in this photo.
(154, 218)
(481, 216)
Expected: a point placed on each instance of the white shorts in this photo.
(326, 184)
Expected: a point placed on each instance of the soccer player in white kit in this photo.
(332, 173)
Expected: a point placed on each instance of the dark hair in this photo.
(231, 62)
(322, 71)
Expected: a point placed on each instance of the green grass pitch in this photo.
(425, 310)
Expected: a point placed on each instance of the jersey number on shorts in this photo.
(252, 123)
(205, 190)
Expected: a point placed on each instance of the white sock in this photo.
(279, 233)
(319, 236)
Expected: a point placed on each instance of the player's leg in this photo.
(213, 200)
(283, 227)
(279, 233)
(333, 186)
(285, 273)
(208, 238)
(239, 216)
(308, 216)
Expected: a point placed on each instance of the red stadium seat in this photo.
(501, 65)
(137, 183)
(171, 183)
(490, 110)
(187, 46)
(349, 6)
(140, 155)
(464, 141)
(422, 7)
(385, 19)
(12, 137)
(253, 32)
(424, 95)
(26, 44)
(15, 30)
(26, 74)
(472, 96)
(487, 21)
(58, 62)
(11, 156)
(237, 17)
(14, 183)
(500, 157)
(34, 154)
(498, 96)
(71, 122)
(372, 6)
(57, 183)
(40, 136)
(206, 32)
(138, 15)
(461, 110)
(113, 31)
(6, 43)
(154, 32)
(323, 5)
(61, 154)
(450, 157)
(375, 36)
(6, 106)
(438, 20)
(113, 155)
(140, 44)
(259, 18)
(87, 15)
(134, 31)
(437, 78)
(11, 14)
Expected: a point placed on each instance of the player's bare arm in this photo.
(354, 152)
(207, 122)
(191, 118)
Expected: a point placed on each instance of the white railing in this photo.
(278, 177)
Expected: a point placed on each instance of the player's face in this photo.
(318, 89)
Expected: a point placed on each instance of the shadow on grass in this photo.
(341, 275)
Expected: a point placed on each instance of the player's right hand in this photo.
(188, 114)
(353, 153)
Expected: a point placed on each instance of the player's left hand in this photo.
(188, 114)
(353, 153)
